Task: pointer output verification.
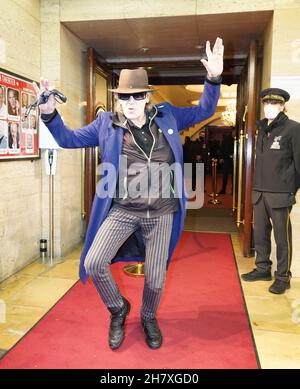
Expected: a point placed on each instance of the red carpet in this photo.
(202, 317)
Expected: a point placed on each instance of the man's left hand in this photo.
(214, 62)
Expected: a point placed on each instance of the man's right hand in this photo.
(49, 107)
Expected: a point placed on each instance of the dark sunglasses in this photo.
(136, 96)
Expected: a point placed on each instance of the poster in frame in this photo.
(18, 135)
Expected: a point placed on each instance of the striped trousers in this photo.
(114, 231)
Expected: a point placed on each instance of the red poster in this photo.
(18, 134)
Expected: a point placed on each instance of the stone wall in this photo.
(64, 64)
(20, 181)
(285, 73)
(75, 10)
(35, 43)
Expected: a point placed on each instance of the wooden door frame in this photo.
(250, 138)
(93, 67)
(89, 181)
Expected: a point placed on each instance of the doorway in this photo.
(178, 72)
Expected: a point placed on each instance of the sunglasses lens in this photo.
(136, 96)
(139, 96)
(123, 96)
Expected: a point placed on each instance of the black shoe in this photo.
(153, 334)
(117, 325)
(221, 192)
(279, 287)
(256, 275)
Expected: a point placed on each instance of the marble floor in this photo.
(275, 320)
(29, 294)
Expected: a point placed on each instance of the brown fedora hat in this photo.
(132, 81)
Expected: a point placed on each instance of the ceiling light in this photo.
(227, 91)
(229, 115)
(195, 88)
(229, 95)
(221, 102)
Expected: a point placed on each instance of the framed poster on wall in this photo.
(18, 135)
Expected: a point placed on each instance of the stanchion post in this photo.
(134, 270)
(214, 194)
(51, 207)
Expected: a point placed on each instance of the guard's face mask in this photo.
(271, 110)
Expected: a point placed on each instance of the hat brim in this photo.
(280, 99)
(131, 90)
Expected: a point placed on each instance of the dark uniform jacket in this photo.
(227, 147)
(277, 161)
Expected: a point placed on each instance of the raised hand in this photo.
(214, 62)
(49, 107)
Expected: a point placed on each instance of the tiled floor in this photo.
(27, 296)
(275, 319)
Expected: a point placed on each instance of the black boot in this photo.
(279, 286)
(117, 324)
(153, 334)
(255, 275)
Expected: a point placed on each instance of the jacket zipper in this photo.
(148, 158)
(125, 188)
(172, 188)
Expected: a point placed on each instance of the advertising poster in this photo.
(18, 133)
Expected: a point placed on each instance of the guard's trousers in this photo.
(265, 218)
(114, 231)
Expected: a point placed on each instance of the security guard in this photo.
(276, 180)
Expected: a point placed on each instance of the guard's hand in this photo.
(214, 62)
(49, 107)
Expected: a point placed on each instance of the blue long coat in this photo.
(109, 138)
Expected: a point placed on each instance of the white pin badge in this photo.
(170, 131)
